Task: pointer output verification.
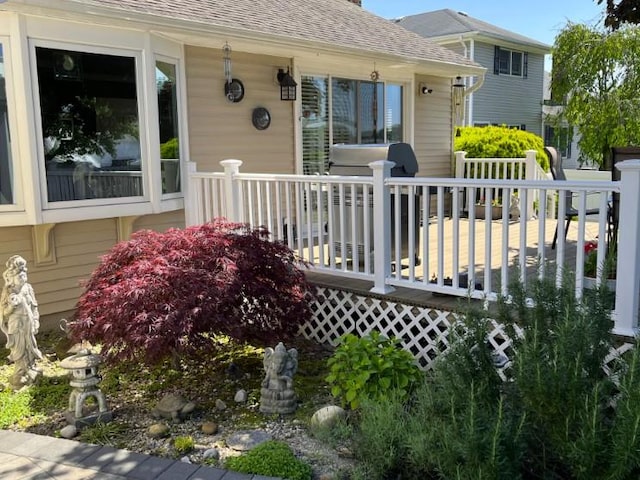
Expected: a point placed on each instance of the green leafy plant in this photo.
(271, 458)
(183, 444)
(500, 142)
(370, 366)
(100, 433)
(170, 149)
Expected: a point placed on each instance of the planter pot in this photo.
(590, 282)
(496, 212)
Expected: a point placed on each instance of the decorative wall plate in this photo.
(234, 90)
(261, 118)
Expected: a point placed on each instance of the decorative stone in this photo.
(241, 396)
(173, 406)
(158, 430)
(69, 431)
(246, 440)
(220, 405)
(328, 416)
(185, 459)
(84, 380)
(211, 453)
(209, 428)
(277, 394)
(20, 322)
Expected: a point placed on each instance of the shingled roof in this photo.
(447, 22)
(326, 23)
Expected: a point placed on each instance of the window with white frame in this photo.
(166, 86)
(361, 112)
(90, 124)
(6, 165)
(510, 62)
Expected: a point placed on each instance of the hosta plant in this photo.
(163, 294)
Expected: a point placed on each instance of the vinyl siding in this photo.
(220, 130)
(78, 247)
(433, 134)
(503, 99)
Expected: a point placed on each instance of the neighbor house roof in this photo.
(449, 23)
(331, 24)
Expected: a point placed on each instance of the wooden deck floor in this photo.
(472, 241)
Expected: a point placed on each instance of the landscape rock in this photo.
(158, 430)
(210, 428)
(185, 459)
(212, 453)
(220, 405)
(328, 416)
(69, 431)
(173, 406)
(241, 396)
(248, 439)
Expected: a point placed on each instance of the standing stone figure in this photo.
(20, 321)
(277, 394)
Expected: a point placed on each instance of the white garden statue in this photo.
(20, 321)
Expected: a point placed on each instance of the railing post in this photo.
(233, 198)
(530, 174)
(192, 200)
(460, 173)
(628, 274)
(381, 226)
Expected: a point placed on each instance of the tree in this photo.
(165, 294)
(625, 11)
(598, 73)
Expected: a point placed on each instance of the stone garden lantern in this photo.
(84, 380)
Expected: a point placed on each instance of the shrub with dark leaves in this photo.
(164, 294)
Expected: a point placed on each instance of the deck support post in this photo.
(625, 314)
(381, 226)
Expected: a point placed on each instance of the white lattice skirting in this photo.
(422, 331)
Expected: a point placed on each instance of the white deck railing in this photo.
(413, 232)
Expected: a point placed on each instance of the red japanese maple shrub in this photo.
(162, 294)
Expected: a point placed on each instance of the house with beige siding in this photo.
(102, 103)
(513, 88)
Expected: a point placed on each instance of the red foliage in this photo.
(164, 293)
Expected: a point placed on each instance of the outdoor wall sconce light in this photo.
(423, 89)
(233, 88)
(288, 86)
(457, 99)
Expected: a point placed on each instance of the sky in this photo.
(540, 20)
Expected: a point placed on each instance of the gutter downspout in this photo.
(469, 52)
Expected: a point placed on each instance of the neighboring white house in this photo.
(512, 91)
(92, 91)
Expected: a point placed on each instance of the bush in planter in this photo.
(163, 294)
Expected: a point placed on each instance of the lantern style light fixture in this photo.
(288, 86)
(457, 99)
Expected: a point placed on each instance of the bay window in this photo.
(90, 124)
(6, 165)
(166, 84)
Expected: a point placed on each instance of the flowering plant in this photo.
(591, 260)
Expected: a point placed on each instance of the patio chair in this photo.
(557, 172)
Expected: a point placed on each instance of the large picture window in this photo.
(6, 166)
(90, 122)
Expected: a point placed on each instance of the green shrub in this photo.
(170, 149)
(183, 444)
(556, 415)
(500, 142)
(371, 366)
(272, 458)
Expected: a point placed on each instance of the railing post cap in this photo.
(231, 162)
(633, 164)
(382, 165)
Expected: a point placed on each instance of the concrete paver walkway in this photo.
(26, 456)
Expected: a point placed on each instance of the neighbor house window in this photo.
(510, 62)
(560, 138)
(6, 166)
(166, 84)
(90, 122)
(361, 112)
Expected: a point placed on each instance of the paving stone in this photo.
(150, 469)
(236, 476)
(33, 446)
(122, 461)
(178, 471)
(67, 451)
(208, 473)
